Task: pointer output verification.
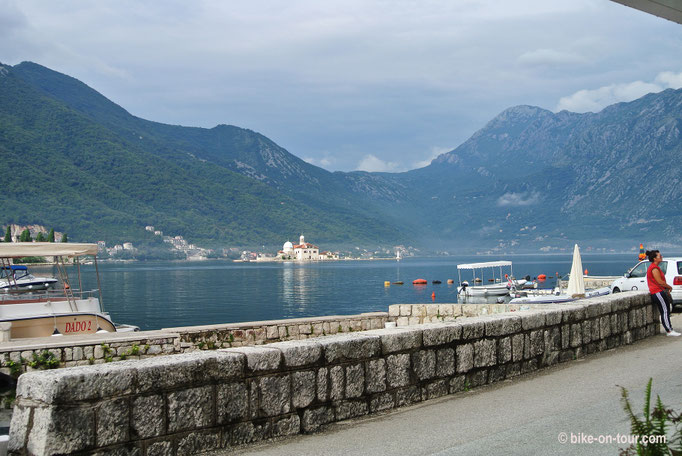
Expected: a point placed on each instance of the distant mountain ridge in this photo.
(530, 178)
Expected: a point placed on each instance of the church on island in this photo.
(304, 251)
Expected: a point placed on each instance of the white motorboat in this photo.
(500, 284)
(69, 310)
(17, 277)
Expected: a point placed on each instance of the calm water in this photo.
(156, 295)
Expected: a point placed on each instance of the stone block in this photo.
(411, 321)
(457, 384)
(513, 370)
(375, 378)
(112, 422)
(289, 425)
(148, 416)
(397, 339)
(350, 409)
(344, 347)
(274, 395)
(381, 402)
(403, 321)
(303, 388)
(576, 335)
(424, 364)
(314, 418)
(160, 449)
(271, 332)
(572, 313)
(477, 378)
(473, 328)
(445, 362)
(299, 353)
(405, 310)
(232, 402)
(398, 370)
(604, 327)
(336, 383)
(465, 358)
(19, 428)
(247, 432)
(553, 317)
(61, 430)
(517, 347)
(77, 383)
(259, 359)
(322, 384)
(394, 310)
(435, 389)
(407, 395)
(533, 320)
(189, 409)
(503, 325)
(441, 333)
(485, 353)
(199, 442)
(536, 342)
(586, 329)
(355, 380)
(504, 350)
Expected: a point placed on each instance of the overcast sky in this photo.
(352, 84)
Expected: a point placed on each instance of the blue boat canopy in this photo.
(16, 267)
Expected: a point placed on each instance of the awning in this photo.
(40, 249)
(489, 264)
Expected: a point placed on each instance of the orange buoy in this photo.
(419, 282)
(585, 271)
(451, 281)
(433, 296)
(542, 277)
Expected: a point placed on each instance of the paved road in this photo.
(523, 416)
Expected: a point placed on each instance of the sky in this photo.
(372, 85)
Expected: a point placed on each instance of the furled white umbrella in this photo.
(576, 283)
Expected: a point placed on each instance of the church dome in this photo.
(288, 246)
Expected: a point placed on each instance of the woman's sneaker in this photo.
(673, 333)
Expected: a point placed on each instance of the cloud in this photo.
(324, 162)
(597, 99)
(518, 199)
(552, 57)
(435, 152)
(374, 164)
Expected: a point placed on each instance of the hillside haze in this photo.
(529, 179)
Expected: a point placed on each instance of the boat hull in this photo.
(496, 290)
(67, 325)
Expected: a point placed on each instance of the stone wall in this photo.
(417, 314)
(16, 357)
(204, 401)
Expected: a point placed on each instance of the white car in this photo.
(635, 278)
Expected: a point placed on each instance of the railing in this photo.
(24, 297)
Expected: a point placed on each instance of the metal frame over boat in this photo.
(65, 311)
(500, 285)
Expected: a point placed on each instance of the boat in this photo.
(500, 286)
(17, 277)
(419, 282)
(63, 311)
(399, 282)
(397, 255)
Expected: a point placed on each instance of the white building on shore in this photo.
(304, 251)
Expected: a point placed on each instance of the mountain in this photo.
(529, 179)
(78, 162)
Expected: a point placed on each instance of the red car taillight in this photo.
(677, 280)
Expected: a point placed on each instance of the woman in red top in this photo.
(660, 290)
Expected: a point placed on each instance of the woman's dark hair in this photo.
(652, 254)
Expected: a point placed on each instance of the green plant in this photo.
(135, 350)
(467, 385)
(201, 345)
(108, 359)
(146, 347)
(106, 349)
(653, 423)
(15, 368)
(45, 360)
(340, 328)
(210, 345)
(230, 339)
(91, 360)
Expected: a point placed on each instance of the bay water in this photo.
(154, 295)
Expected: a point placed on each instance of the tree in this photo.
(64, 238)
(8, 234)
(40, 237)
(25, 236)
(50, 236)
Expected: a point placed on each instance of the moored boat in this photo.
(16, 276)
(67, 310)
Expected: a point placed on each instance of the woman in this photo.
(660, 290)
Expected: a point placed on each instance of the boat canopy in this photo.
(24, 249)
(14, 267)
(489, 264)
